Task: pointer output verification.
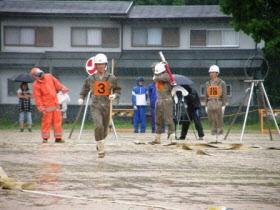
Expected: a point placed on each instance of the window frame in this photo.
(26, 27)
(230, 92)
(202, 90)
(215, 46)
(177, 41)
(96, 28)
(36, 36)
(12, 93)
(146, 37)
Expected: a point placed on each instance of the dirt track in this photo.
(140, 176)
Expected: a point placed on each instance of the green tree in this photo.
(261, 20)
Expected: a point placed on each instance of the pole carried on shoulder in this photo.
(172, 79)
(111, 122)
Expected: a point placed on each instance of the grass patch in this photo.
(125, 124)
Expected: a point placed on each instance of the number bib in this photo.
(214, 91)
(101, 88)
(160, 85)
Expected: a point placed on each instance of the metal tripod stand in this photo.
(178, 115)
(249, 91)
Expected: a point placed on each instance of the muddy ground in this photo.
(131, 176)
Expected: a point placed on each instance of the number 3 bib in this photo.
(101, 88)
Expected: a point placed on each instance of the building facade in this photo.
(60, 36)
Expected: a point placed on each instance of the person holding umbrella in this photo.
(24, 106)
(24, 97)
(194, 113)
(192, 106)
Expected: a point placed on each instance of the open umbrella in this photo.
(183, 80)
(22, 78)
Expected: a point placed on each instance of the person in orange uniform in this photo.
(45, 89)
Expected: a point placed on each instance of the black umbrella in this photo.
(22, 78)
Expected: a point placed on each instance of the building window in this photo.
(139, 36)
(202, 90)
(110, 37)
(198, 38)
(229, 90)
(154, 36)
(44, 37)
(150, 37)
(12, 87)
(214, 38)
(28, 36)
(170, 37)
(99, 37)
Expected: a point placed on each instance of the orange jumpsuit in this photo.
(44, 91)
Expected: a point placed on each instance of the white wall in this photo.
(246, 42)
(61, 33)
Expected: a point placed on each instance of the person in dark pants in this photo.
(24, 105)
(152, 90)
(194, 111)
(153, 99)
(139, 103)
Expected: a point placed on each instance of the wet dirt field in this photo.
(70, 176)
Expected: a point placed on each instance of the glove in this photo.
(112, 96)
(64, 90)
(206, 110)
(135, 107)
(41, 108)
(80, 101)
(223, 109)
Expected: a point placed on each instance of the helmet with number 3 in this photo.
(100, 59)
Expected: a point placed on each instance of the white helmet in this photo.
(159, 68)
(214, 68)
(100, 58)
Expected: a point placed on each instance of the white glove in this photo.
(80, 101)
(223, 109)
(112, 97)
(135, 107)
(206, 110)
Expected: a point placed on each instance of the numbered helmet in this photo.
(214, 68)
(90, 66)
(36, 72)
(160, 68)
(100, 58)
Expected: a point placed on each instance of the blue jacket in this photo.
(152, 94)
(138, 90)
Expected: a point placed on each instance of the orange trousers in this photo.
(51, 119)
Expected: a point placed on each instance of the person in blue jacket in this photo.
(153, 99)
(139, 103)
